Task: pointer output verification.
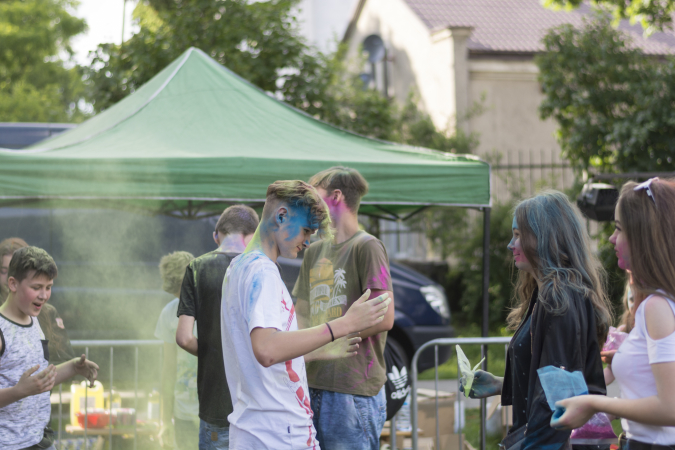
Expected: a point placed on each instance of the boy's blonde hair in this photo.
(172, 269)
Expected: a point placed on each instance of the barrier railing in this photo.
(87, 344)
(484, 342)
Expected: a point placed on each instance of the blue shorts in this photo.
(212, 437)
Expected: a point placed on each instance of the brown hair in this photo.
(172, 269)
(238, 219)
(649, 224)
(300, 194)
(10, 245)
(27, 259)
(556, 243)
(349, 181)
(628, 317)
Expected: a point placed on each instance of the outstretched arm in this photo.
(272, 346)
(77, 366)
(655, 410)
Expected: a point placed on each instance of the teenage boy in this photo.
(262, 346)
(200, 300)
(51, 323)
(179, 385)
(347, 396)
(24, 394)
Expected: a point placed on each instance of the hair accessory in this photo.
(647, 185)
(332, 336)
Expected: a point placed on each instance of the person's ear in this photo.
(12, 284)
(337, 196)
(281, 216)
(216, 239)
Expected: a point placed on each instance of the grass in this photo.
(496, 356)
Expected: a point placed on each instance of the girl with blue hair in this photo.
(561, 317)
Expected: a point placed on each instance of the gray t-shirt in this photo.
(22, 423)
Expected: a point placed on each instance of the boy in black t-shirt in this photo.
(200, 299)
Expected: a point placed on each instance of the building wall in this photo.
(417, 60)
(511, 120)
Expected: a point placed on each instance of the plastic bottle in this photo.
(403, 416)
(153, 405)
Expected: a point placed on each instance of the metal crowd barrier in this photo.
(484, 342)
(111, 344)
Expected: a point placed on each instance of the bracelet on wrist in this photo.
(332, 336)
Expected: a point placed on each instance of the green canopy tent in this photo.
(197, 136)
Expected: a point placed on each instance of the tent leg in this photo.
(486, 315)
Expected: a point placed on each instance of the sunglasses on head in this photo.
(647, 186)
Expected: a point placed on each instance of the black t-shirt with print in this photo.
(200, 297)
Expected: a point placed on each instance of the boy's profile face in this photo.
(294, 230)
(31, 293)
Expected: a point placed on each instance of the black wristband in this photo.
(332, 336)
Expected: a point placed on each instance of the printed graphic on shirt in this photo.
(327, 295)
(294, 382)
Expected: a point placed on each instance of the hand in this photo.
(484, 385)
(365, 313)
(344, 347)
(573, 412)
(608, 356)
(42, 382)
(86, 368)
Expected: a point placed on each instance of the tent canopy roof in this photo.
(197, 135)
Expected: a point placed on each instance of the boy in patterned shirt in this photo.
(24, 398)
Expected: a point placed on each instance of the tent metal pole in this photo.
(486, 316)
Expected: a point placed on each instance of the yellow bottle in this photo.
(78, 393)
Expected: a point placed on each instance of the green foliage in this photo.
(613, 105)
(652, 15)
(35, 83)
(257, 40)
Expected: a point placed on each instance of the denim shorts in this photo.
(212, 437)
(346, 421)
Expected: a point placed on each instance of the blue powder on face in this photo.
(512, 243)
(298, 219)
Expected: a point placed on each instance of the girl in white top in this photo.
(644, 365)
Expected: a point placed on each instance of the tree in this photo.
(35, 83)
(613, 105)
(652, 14)
(257, 40)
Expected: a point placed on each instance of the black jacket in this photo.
(567, 341)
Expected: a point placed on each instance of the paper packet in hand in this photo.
(466, 370)
(559, 384)
(615, 338)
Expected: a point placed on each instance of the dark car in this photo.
(422, 312)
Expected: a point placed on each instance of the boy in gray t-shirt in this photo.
(24, 398)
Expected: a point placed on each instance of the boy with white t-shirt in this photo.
(263, 350)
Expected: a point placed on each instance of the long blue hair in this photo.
(556, 243)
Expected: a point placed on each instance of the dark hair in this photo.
(238, 219)
(300, 194)
(27, 259)
(10, 245)
(349, 181)
(649, 224)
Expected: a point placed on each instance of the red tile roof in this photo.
(518, 25)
